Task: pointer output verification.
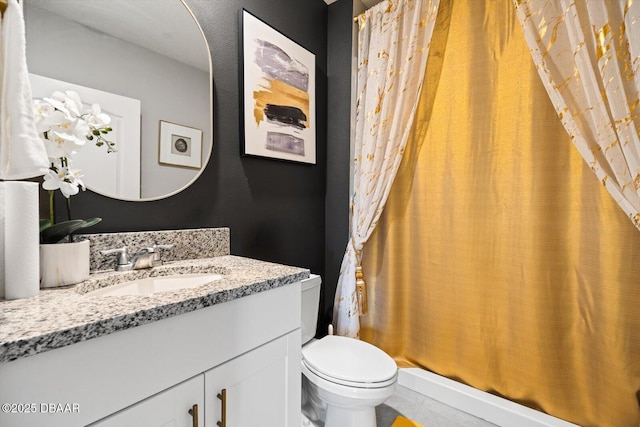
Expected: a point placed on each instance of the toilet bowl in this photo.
(348, 376)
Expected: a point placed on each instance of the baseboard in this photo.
(480, 404)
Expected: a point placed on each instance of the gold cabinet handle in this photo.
(223, 397)
(194, 413)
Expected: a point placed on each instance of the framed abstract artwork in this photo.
(180, 145)
(278, 89)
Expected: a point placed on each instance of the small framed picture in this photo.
(180, 145)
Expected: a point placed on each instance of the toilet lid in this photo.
(349, 360)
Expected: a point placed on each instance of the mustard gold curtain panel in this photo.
(500, 259)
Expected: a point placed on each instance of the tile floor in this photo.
(423, 410)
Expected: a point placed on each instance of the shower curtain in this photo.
(596, 90)
(500, 260)
(393, 44)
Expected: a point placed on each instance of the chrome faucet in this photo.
(144, 258)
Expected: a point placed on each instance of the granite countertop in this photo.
(64, 316)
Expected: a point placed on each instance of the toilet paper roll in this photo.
(21, 240)
(2, 232)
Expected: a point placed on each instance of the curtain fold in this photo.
(393, 44)
(500, 260)
(588, 56)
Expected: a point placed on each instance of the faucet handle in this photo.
(156, 260)
(122, 255)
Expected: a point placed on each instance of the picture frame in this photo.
(180, 145)
(278, 94)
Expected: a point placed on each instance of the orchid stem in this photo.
(69, 217)
(52, 216)
(69, 208)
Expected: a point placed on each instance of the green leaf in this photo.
(91, 222)
(59, 231)
(87, 223)
(44, 224)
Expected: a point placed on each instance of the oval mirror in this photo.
(147, 64)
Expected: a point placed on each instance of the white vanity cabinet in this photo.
(247, 391)
(151, 375)
(180, 406)
(252, 390)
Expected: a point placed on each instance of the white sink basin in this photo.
(153, 285)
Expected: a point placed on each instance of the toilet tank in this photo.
(310, 305)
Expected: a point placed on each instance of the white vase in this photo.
(63, 264)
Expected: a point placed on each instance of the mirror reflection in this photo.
(147, 64)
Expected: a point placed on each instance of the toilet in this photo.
(343, 379)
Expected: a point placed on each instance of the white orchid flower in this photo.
(68, 102)
(58, 104)
(42, 109)
(46, 115)
(97, 118)
(74, 176)
(54, 180)
(73, 102)
(65, 125)
(80, 129)
(61, 143)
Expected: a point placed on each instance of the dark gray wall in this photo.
(276, 210)
(340, 26)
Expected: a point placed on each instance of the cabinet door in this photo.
(169, 408)
(256, 388)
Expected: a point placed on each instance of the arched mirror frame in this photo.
(206, 154)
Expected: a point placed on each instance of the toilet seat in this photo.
(349, 362)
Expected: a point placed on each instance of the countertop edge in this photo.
(30, 346)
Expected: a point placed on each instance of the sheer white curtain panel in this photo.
(393, 45)
(587, 53)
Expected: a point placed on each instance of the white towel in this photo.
(22, 152)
